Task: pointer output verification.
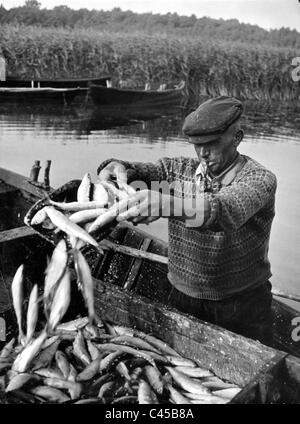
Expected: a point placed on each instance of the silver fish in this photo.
(32, 313)
(50, 393)
(90, 371)
(180, 362)
(74, 325)
(45, 357)
(195, 372)
(77, 206)
(80, 349)
(83, 192)
(24, 358)
(17, 297)
(76, 390)
(61, 301)
(100, 193)
(8, 348)
(85, 281)
(123, 370)
(154, 378)
(93, 351)
(49, 373)
(229, 393)
(108, 216)
(177, 397)
(67, 226)
(39, 217)
(188, 383)
(62, 363)
(60, 383)
(18, 381)
(145, 394)
(82, 217)
(54, 273)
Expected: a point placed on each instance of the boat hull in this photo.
(106, 96)
(39, 95)
(54, 83)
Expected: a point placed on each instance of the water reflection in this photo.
(89, 120)
(83, 119)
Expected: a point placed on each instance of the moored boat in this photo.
(39, 95)
(127, 290)
(109, 96)
(12, 81)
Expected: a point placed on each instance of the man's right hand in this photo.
(114, 170)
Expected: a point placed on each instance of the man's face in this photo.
(218, 153)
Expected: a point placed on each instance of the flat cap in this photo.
(212, 117)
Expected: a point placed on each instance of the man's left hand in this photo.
(144, 207)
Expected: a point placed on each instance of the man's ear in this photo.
(238, 137)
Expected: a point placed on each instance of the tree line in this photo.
(117, 20)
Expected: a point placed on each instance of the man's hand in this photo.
(144, 207)
(148, 205)
(114, 170)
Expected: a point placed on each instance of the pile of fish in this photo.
(89, 360)
(108, 364)
(96, 205)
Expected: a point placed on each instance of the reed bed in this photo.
(209, 69)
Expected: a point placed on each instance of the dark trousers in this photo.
(248, 313)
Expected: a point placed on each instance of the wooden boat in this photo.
(39, 95)
(120, 97)
(267, 375)
(13, 81)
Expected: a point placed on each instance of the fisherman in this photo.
(218, 265)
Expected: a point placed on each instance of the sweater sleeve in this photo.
(235, 204)
(144, 171)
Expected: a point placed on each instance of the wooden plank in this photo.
(134, 272)
(291, 385)
(136, 253)
(231, 356)
(266, 386)
(23, 184)
(16, 233)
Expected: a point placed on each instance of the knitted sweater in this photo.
(230, 254)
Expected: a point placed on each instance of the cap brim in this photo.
(202, 139)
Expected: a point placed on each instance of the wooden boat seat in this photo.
(6, 189)
(15, 233)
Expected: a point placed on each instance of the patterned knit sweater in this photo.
(229, 255)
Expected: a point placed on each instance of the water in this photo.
(77, 141)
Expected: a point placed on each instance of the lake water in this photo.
(77, 140)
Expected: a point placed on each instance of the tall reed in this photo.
(209, 69)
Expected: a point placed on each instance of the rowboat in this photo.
(120, 97)
(12, 81)
(39, 95)
(127, 290)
